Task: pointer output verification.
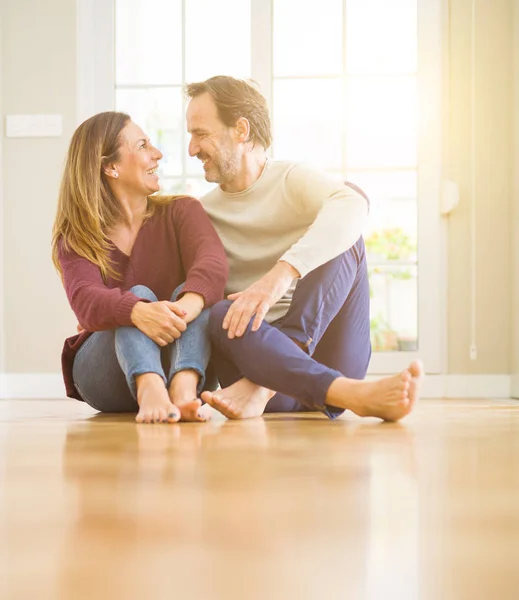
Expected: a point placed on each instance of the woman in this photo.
(140, 273)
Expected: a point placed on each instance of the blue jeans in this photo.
(329, 316)
(106, 365)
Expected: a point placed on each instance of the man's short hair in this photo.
(234, 99)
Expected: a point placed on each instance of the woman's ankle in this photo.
(184, 385)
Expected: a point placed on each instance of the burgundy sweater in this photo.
(178, 243)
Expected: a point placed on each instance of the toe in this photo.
(173, 415)
(203, 415)
(145, 417)
(207, 397)
(163, 416)
(218, 401)
(233, 411)
(416, 368)
(190, 409)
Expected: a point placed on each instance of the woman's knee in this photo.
(177, 291)
(143, 292)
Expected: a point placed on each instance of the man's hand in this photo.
(161, 321)
(257, 299)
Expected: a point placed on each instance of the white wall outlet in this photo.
(29, 126)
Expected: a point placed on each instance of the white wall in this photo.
(38, 73)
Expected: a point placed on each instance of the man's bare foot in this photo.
(182, 393)
(415, 385)
(241, 400)
(390, 398)
(153, 400)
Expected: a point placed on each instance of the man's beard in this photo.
(221, 170)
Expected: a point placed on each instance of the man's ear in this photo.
(242, 129)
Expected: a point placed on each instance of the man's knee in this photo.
(217, 315)
(143, 292)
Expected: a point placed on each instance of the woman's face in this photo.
(136, 169)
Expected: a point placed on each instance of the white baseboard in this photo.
(465, 386)
(50, 385)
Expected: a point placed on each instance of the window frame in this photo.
(96, 93)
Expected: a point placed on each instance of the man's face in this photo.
(211, 141)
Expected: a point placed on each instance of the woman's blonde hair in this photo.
(87, 209)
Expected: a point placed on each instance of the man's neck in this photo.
(252, 167)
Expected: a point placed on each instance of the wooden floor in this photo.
(95, 507)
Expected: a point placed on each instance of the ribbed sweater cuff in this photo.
(124, 308)
(207, 291)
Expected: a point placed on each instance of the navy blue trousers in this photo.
(329, 315)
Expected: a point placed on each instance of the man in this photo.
(294, 332)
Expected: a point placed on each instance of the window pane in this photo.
(381, 36)
(307, 41)
(217, 38)
(198, 186)
(392, 231)
(159, 112)
(394, 308)
(148, 41)
(307, 121)
(193, 186)
(381, 122)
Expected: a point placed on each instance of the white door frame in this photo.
(515, 209)
(2, 220)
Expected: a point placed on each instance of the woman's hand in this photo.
(163, 321)
(192, 304)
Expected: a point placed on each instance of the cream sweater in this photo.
(292, 213)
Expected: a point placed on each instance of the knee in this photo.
(143, 292)
(177, 291)
(216, 317)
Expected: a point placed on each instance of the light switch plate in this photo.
(28, 126)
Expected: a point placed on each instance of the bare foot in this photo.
(415, 385)
(241, 400)
(153, 400)
(182, 393)
(390, 398)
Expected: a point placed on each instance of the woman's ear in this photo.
(110, 170)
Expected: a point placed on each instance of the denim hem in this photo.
(186, 367)
(131, 379)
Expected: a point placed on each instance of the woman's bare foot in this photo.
(153, 400)
(390, 398)
(241, 400)
(182, 393)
